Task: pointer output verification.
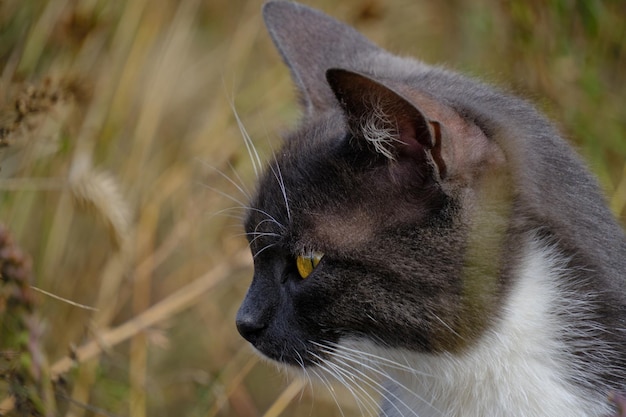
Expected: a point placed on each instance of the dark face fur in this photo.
(376, 224)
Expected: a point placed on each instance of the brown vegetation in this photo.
(118, 129)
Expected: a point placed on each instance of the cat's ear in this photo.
(311, 42)
(391, 125)
(428, 133)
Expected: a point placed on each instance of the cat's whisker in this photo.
(281, 184)
(447, 326)
(257, 234)
(239, 186)
(356, 356)
(225, 213)
(321, 377)
(272, 220)
(269, 218)
(381, 360)
(238, 217)
(380, 389)
(337, 374)
(300, 361)
(260, 235)
(245, 190)
(343, 373)
(342, 357)
(263, 249)
(351, 382)
(255, 160)
(226, 195)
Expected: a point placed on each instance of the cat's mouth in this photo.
(281, 340)
(282, 345)
(300, 355)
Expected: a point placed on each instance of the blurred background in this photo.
(121, 164)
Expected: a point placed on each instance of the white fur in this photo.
(378, 130)
(517, 369)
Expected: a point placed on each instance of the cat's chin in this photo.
(303, 356)
(270, 360)
(322, 356)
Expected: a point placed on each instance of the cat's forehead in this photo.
(320, 132)
(318, 193)
(309, 193)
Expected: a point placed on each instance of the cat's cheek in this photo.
(283, 340)
(292, 329)
(314, 302)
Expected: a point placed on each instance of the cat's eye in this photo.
(306, 263)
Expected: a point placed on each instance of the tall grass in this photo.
(118, 121)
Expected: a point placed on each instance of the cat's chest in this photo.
(518, 368)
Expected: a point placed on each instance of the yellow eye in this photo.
(307, 263)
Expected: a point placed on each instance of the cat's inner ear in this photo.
(388, 123)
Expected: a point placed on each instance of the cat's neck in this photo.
(522, 366)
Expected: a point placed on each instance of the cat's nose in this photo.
(249, 326)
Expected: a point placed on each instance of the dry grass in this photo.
(116, 121)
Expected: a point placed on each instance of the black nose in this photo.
(250, 326)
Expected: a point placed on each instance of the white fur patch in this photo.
(517, 368)
(379, 131)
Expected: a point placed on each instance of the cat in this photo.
(426, 238)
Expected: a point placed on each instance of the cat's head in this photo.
(382, 217)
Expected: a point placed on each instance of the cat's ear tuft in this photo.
(389, 123)
(310, 42)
